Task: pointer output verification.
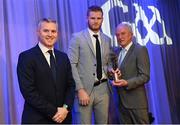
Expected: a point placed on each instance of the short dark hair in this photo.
(94, 8)
(48, 20)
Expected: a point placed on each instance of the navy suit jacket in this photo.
(41, 92)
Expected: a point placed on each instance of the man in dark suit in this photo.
(45, 79)
(135, 72)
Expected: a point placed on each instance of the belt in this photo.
(99, 82)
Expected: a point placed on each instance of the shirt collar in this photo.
(43, 48)
(92, 33)
(128, 46)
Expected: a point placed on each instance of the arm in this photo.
(69, 96)
(70, 89)
(73, 54)
(143, 69)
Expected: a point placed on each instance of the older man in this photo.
(135, 72)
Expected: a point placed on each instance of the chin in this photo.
(95, 28)
(49, 45)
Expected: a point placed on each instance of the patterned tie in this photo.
(98, 58)
(52, 64)
(121, 55)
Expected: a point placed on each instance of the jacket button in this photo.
(93, 74)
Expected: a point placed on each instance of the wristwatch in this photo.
(65, 106)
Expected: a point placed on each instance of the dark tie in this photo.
(98, 58)
(52, 64)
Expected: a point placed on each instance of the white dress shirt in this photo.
(93, 39)
(123, 53)
(44, 50)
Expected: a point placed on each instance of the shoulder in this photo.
(29, 56)
(139, 47)
(105, 39)
(30, 52)
(140, 50)
(60, 54)
(78, 37)
(62, 57)
(105, 36)
(80, 33)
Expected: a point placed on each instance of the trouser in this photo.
(133, 116)
(98, 107)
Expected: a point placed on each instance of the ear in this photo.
(38, 32)
(87, 18)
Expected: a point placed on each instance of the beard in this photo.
(94, 27)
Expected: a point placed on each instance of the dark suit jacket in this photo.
(135, 68)
(41, 92)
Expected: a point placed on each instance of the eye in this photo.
(123, 33)
(45, 30)
(54, 31)
(93, 18)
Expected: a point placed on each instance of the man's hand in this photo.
(120, 83)
(83, 97)
(60, 115)
(111, 73)
(116, 71)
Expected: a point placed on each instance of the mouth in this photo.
(121, 40)
(49, 38)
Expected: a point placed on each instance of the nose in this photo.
(49, 33)
(120, 36)
(96, 20)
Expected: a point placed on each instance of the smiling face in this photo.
(47, 33)
(95, 19)
(124, 35)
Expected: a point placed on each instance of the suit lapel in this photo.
(43, 60)
(90, 44)
(89, 41)
(127, 55)
(102, 45)
(58, 64)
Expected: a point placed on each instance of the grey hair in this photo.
(47, 20)
(126, 24)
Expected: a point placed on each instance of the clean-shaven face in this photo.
(48, 34)
(123, 35)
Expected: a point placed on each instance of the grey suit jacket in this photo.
(135, 68)
(83, 58)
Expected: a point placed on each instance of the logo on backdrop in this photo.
(144, 27)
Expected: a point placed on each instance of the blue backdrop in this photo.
(155, 25)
